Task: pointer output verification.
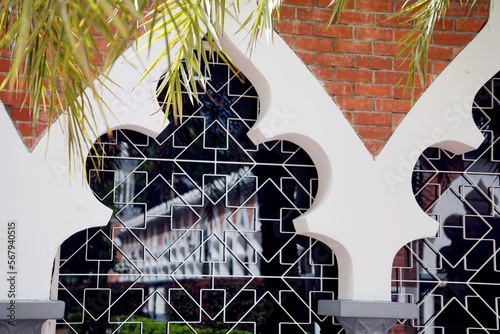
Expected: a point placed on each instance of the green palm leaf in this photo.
(60, 44)
(55, 56)
(422, 15)
(414, 45)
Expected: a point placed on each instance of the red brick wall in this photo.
(20, 115)
(355, 59)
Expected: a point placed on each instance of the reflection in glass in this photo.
(454, 276)
(201, 239)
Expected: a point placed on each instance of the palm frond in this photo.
(338, 6)
(414, 45)
(189, 29)
(262, 20)
(59, 44)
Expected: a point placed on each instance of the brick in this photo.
(455, 51)
(354, 75)
(19, 86)
(403, 64)
(372, 132)
(398, 92)
(374, 147)
(401, 33)
(307, 57)
(386, 20)
(353, 103)
(438, 66)
(374, 62)
(2, 79)
(361, 118)
(337, 31)
(114, 30)
(387, 49)
(288, 40)
(400, 259)
(313, 15)
(456, 9)
(452, 38)
(102, 44)
(322, 73)
(20, 114)
(444, 24)
(418, 83)
(375, 6)
(25, 129)
(327, 3)
(30, 143)
(481, 11)
(300, 2)
(97, 59)
(386, 77)
(350, 46)
(430, 78)
(397, 119)
(4, 65)
(338, 88)
(43, 116)
(390, 105)
(330, 59)
(287, 13)
(94, 31)
(373, 34)
(469, 24)
(399, 5)
(348, 116)
(12, 98)
(294, 27)
(40, 130)
(371, 90)
(313, 43)
(398, 328)
(356, 18)
(440, 52)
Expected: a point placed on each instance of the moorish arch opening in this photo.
(201, 238)
(454, 276)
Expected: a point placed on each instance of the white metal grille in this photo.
(454, 277)
(202, 238)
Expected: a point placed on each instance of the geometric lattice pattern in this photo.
(455, 277)
(201, 239)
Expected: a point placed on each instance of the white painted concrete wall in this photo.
(364, 210)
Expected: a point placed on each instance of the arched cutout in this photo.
(225, 207)
(459, 191)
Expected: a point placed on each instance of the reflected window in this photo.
(454, 276)
(201, 237)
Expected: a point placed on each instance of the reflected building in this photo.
(457, 273)
(203, 218)
(202, 233)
